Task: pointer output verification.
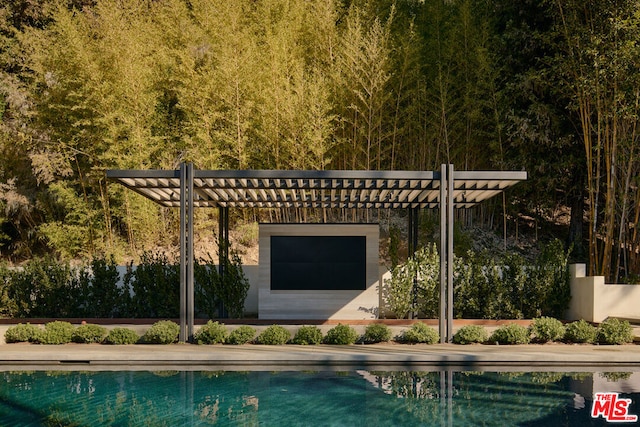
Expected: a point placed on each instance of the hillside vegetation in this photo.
(550, 87)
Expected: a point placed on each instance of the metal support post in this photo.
(413, 247)
(186, 253)
(190, 289)
(450, 206)
(223, 249)
(183, 253)
(443, 255)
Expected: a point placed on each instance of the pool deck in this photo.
(294, 357)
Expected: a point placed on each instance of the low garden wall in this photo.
(593, 300)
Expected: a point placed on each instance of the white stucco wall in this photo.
(594, 301)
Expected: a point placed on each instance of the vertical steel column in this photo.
(450, 206)
(190, 291)
(443, 254)
(223, 249)
(183, 253)
(413, 247)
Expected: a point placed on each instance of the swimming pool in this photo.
(303, 398)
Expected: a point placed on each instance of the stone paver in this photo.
(257, 357)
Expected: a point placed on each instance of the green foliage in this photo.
(71, 235)
(470, 334)
(122, 336)
(99, 291)
(161, 332)
(614, 331)
(274, 335)
(211, 333)
(44, 288)
(89, 334)
(545, 329)
(549, 280)
(485, 286)
(22, 333)
(397, 292)
(241, 335)
(490, 288)
(341, 335)
(248, 234)
(580, 332)
(308, 335)
(376, 332)
(207, 287)
(7, 303)
(311, 85)
(218, 297)
(420, 333)
(56, 332)
(156, 284)
(510, 334)
(234, 287)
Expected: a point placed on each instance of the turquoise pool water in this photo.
(352, 398)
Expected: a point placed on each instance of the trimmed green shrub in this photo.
(22, 333)
(420, 333)
(57, 332)
(308, 335)
(154, 282)
(545, 329)
(211, 333)
(614, 331)
(510, 334)
(470, 334)
(377, 332)
(44, 288)
(341, 335)
(274, 335)
(88, 334)
(162, 332)
(242, 335)
(580, 332)
(122, 336)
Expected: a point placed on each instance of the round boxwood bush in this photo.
(242, 335)
(211, 333)
(614, 331)
(470, 334)
(122, 336)
(341, 335)
(376, 332)
(580, 332)
(308, 335)
(56, 332)
(510, 334)
(88, 334)
(545, 329)
(162, 332)
(274, 335)
(22, 333)
(420, 333)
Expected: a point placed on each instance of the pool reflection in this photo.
(441, 398)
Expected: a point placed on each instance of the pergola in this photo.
(189, 188)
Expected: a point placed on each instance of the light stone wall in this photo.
(594, 301)
(319, 304)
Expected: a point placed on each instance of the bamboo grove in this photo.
(549, 86)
